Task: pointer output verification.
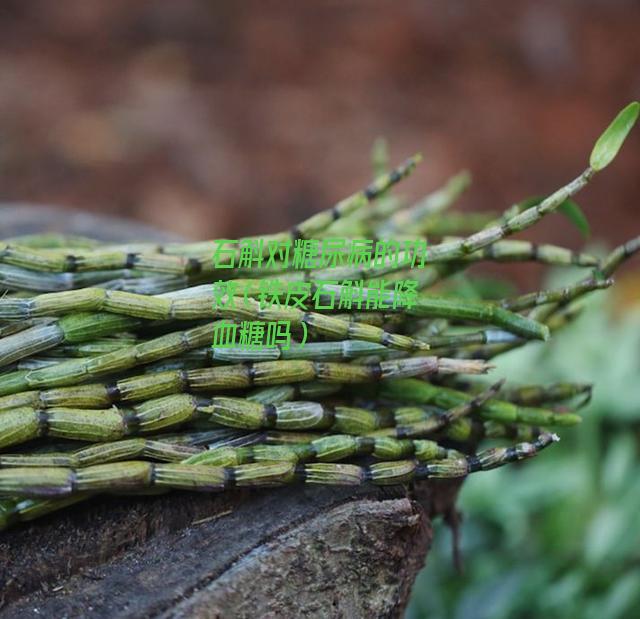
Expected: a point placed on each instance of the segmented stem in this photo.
(161, 260)
(135, 475)
(496, 410)
(453, 250)
(241, 376)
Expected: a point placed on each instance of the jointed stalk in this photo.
(18, 425)
(241, 376)
(200, 261)
(453, 250)
(131, 476)
(500, 251)
(535, 395)
(425, 393)
(102, 453)
(604, 272)
(195, 303)
(209, 419)
(562, 295)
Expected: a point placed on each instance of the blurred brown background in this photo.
(218, 118)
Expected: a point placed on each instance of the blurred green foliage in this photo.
(557, 536)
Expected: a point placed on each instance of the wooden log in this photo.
(288, 552)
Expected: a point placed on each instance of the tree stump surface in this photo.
(299, 551)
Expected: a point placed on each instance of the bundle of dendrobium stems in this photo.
(112, 379)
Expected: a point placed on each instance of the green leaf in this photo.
(568, 208)
(609, 143)
(575, 215)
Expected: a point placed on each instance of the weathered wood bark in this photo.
(288, 552)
